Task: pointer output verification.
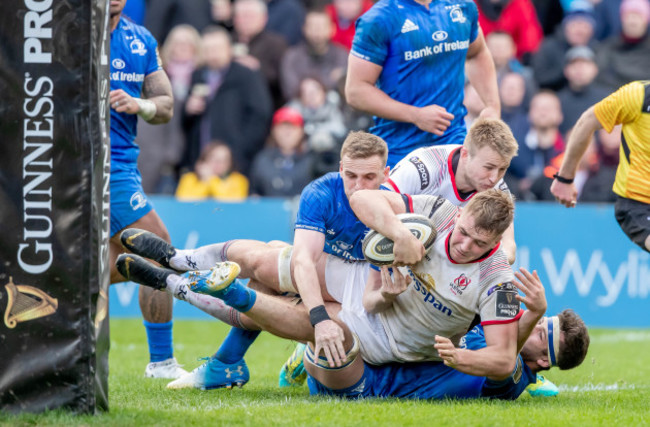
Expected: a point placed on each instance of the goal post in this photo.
(54, 220)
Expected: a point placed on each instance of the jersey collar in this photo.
(452, 162)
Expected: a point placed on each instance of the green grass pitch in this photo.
(612, 388)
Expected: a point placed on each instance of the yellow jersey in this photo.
(234, 187)
(630, 106)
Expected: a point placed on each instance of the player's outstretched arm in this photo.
(579, 140)
(483, 77)
(496, 361)
(328, 335)
(377, 209)
(535, 300)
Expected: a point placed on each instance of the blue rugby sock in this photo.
(235, 345)
(238, 296)
(159, 337)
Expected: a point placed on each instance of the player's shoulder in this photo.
(382, 12)
(134, 30)
(495, 267)
(325, 186)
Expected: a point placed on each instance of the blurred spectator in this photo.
(162, 146)
(257, 48)
(577, 30)
(542, 143)
(512, 90)
(228, 102)
(285, 166)
(473, 103)
(163, 15)
(541, 187)
(286, 18)
(214, 177)
(626, 57)
(502, 48)
(316, 56)
(608, 18)
(581, 92)
(323, 119)
(599, 184)
(353, 118)
(344, 14)
(222, 14)
(515, 17)
(549, 14)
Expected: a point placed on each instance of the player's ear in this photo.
(386, 173)
(463, 152)
(543, 362)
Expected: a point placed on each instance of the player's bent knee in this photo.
(321, 361)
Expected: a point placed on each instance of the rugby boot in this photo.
(214, 282)
(139, 270)
(293, 372)
(169, 369)
(542, 388)
(148, 245)
(214, 374)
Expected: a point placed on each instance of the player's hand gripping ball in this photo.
(378, 249)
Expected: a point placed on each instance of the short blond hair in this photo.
(363, 145)
(493, 133)
(493, 210)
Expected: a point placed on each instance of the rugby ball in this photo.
(378, 249)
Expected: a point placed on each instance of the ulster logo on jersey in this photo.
(459, 284)
(138, 48)
(118, 64)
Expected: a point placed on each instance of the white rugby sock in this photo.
(178, 286)
(203, 258)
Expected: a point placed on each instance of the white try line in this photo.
(599, 387)
(615, 337)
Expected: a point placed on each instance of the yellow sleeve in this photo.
(622, 106)
(190, 187)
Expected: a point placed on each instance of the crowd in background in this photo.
(260, 109)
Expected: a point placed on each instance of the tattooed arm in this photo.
(157, 103)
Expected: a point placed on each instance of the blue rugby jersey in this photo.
(134, 55)
(433, 380)
(422, 52)
(325, 208)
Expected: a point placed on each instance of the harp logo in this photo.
(27, 303)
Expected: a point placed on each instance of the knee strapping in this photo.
(284, 270)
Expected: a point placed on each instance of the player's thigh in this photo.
(634, 219)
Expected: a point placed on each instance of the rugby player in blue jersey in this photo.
(407, 68)
(327, 237)
(139, 87)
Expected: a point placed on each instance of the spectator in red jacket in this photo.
(344, 14)
(515, 17)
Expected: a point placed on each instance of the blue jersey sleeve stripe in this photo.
(310, 227)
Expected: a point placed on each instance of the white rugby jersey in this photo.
(429, 170)
(444, 296)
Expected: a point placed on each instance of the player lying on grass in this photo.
(399, 325)
(556, 341)
(325, 218)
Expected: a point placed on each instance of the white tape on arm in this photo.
(147, 108)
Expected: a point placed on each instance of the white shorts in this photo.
(346, 282)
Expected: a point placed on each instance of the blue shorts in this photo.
(128, 201)
(424, 380)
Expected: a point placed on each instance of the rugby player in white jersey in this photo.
(442, 300)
